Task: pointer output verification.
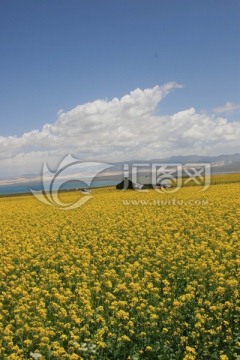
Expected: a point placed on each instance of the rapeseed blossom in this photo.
(115, 281)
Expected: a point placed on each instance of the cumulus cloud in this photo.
(119, 130)
(227, 108)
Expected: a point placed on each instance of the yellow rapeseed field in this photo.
(129, 275)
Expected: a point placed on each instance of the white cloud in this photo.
(117, 130)
(227, 108)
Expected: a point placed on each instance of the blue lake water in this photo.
(26, 187)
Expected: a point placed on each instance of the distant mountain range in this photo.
(219, 164)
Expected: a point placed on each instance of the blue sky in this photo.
(60, 54)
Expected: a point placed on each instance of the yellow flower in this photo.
(73, 283)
